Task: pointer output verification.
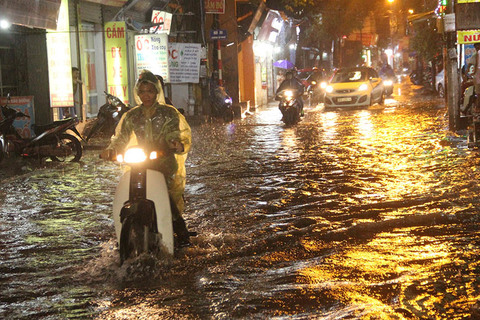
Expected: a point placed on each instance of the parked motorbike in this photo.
(469, 108)
(222, 104)
(141, 209)
(51, 140)
(290, 106)
(108, 116)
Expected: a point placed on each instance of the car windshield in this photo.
(350, 76)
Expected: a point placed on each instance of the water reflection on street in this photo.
(351, 214)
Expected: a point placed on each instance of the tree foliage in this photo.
(427, 42)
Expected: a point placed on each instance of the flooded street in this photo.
(351, 214)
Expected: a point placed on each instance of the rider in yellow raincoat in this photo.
(161, 127)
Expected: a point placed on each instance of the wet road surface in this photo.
(351, 214)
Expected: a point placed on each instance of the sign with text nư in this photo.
(468, 36)
(25, 105)
(116, 59)
(215, 6)
(59, 63)
(184, 62)
(151, 53)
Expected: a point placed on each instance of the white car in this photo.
(440, 83)
(354, 87)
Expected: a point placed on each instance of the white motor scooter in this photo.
(141, 208)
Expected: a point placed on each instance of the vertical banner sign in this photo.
(184, 62)
(25, 105)
(59, 63)
(215, 6)
(161, 16)
(151, 53)
(116, 59)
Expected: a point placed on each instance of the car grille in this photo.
(345, 91)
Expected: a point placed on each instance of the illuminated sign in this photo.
(215, 6)
(184, 62)
(161, 16)
(59, 63)
(116, 59)
(467, 1)
(468, 36)
(151, 53)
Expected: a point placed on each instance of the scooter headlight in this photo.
(133, 155)
(228, 100)
(314, 82)
(388, 83)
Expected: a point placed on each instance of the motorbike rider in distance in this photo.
(292, 83)
(160, 127)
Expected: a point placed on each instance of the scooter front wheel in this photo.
(69, 149)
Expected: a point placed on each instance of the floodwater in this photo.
(351, 214)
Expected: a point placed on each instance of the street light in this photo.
(4, 24)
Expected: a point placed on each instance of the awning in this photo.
(112, 3)
(32, 13)
(419, 17)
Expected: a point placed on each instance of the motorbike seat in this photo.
(39, 129)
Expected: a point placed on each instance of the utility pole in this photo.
(452, 77)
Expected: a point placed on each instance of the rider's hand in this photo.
(176, 146)
(107, 154)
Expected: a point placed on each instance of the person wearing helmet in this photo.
(292, 83)
(162, 127)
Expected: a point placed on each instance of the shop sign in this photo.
(151, 53)
(161, 16)
(184, 62)
(468, 36)
(215, 6)
(116, 59)
(467, 1)
(218, 34)
(59, 63)
(25, 105)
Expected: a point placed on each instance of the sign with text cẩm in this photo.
(116, 59)
(25, 105)
(59, 63)
(215, 6)
(151, 53)
(468, 36)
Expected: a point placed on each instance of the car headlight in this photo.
(388, 83)
(323, 85)
(329, 89)
(363, 87)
